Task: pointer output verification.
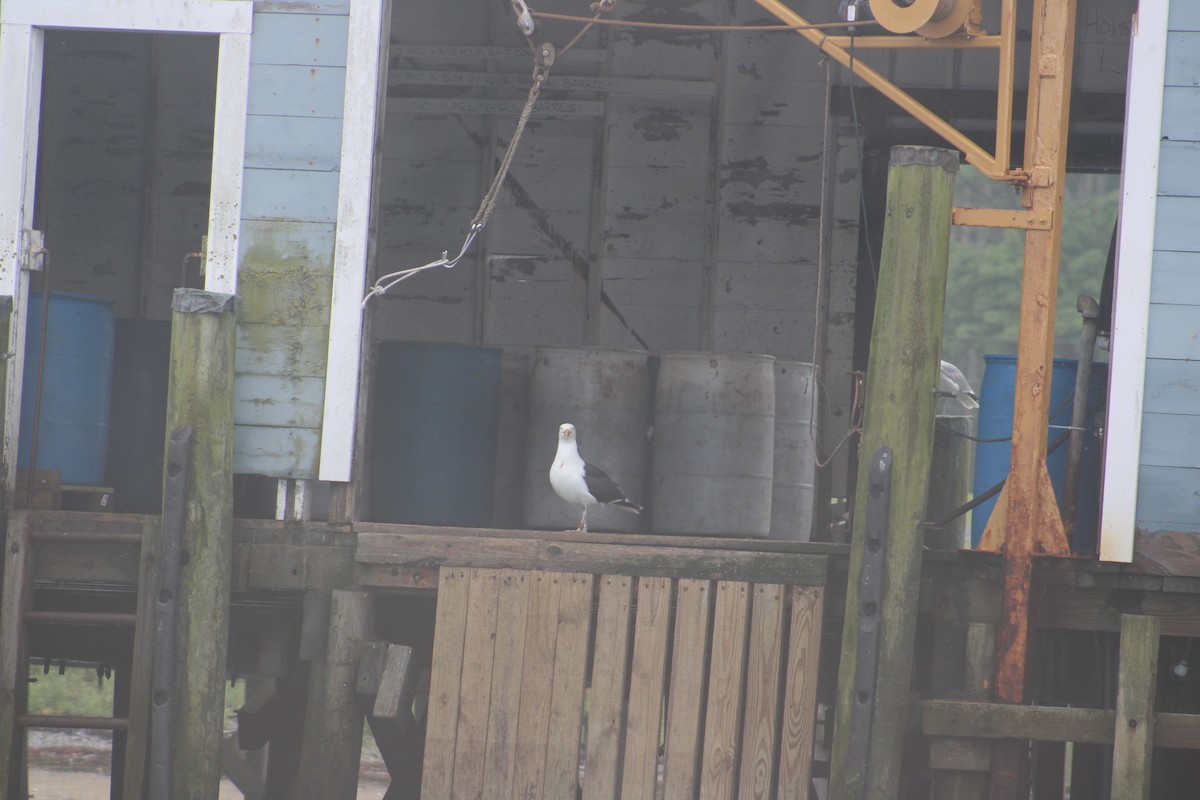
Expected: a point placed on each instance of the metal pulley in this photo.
(932, 19)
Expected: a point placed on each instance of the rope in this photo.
(488, 204)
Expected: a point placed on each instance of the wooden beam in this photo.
(200, 394)
(1137, 678)
(379, 560)
(902, 377)
(15, 594)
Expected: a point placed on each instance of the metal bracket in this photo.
(33, 250)
(870, 605)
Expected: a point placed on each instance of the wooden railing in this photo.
(545, 682)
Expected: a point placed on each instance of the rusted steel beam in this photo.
(1030, 515)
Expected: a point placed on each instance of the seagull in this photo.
(577, 481)
(954, 384)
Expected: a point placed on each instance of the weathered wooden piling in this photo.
(200, 395)
(333, 725)
(902, 376)
(1137, 679)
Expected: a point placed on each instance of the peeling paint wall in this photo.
(289, 214)
(1169, 476)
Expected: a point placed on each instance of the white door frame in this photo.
(22, 40)
(1131, 286)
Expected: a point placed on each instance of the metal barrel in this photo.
(795, 462)
(605, 395)
(714, 444)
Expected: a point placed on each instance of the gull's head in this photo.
(566, 432)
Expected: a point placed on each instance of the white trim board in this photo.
(1131, 288)
(158, 16)
(228, 160)
(366, 68)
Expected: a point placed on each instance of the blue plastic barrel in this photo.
(76, 386)
(434, 433)
(995, 421)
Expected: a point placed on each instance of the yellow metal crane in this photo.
(1026, 519)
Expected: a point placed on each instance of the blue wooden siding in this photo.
(1169, 475)
(289, 211)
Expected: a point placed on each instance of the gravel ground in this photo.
(73, 765)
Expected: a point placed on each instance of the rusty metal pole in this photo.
(1029, 519)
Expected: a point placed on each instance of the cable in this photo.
(671, 26)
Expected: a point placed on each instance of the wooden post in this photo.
(1134, 742)
(200, 394)
(16, 593)
(972, 757)
(333, 725)
(949, 483)
(901, 380)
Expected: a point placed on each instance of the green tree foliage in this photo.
(983, 294)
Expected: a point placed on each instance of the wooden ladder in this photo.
(17, 614)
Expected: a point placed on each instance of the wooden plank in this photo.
(360, 172)
(1004, 721)
(800, 691)
(643, 719)
(718, 768)
(534, 716)
(1137, 678)
(376, 535)
(689, 669)
(566, 692)
(306, 39)
(445, 678)
(525, 552)
(225, 209)
(606, 701)
(15, 595)
(137, 741)
(475, 687)
(507, 669)
(756, 777)
(141, 15)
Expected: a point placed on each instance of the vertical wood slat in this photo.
(14, 669)
(800, 691)
(534, 715)
(566, 693)
(450, 626)
(1133, 746)
(476, 682)
(646, 681)
(718, 770)
(606, 706)
(763, 668)
(507, 668)
(689, 659)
